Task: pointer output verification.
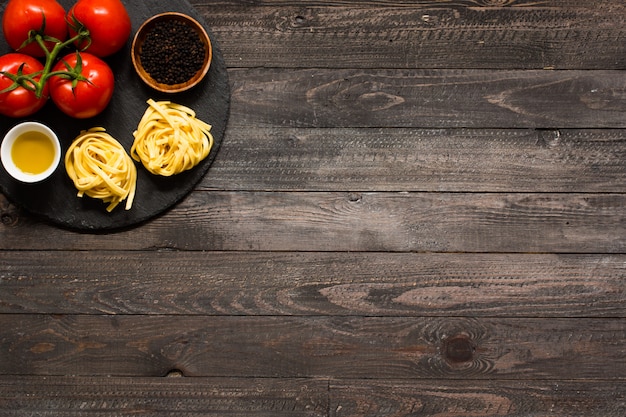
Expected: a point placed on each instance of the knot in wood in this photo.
(8, 212)
(174, 373)
(354, 197)
(549, 138)
(8, 218)
(459, 349)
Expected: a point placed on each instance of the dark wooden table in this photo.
(418, 209)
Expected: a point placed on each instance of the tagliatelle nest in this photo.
(100, 168)
(170, 139)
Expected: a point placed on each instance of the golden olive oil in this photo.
(32, 152)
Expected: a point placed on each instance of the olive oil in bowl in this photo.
(33, 152)
(30, 152)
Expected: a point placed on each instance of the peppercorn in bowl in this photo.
(171, 52)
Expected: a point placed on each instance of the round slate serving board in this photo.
(55, 199)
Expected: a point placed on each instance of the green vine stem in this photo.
(29, 82)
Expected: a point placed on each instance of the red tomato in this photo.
(19, 102)
(82, 98)
(22, 16)
(108, 24)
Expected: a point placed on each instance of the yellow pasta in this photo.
(100, 168)
(170, 139)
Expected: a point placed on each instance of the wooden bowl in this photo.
(146, 28)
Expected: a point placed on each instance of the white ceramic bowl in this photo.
(7, 145)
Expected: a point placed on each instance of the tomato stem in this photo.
(29, 82)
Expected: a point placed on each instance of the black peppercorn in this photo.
(172, 52)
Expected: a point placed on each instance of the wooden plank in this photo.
(374, 222)
(573, 34)
(407, 159)
(313, 284)
(498, 398)
(110, 396)
(428, 98)
(162, 397)
(321, 347)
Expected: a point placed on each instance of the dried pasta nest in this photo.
(170, 139)
(99, 167)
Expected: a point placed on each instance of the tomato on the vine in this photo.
(87, 95)
(17, 100)
(108, 23)
(46, 17)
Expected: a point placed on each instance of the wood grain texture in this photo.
(373, 222)
(417, 159)
(162, 397)
(437, 98)
(333, 347)
(313, 284)
(426, 34)
(357, 398)
(268, 397)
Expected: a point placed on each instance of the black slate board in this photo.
(55, 199)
